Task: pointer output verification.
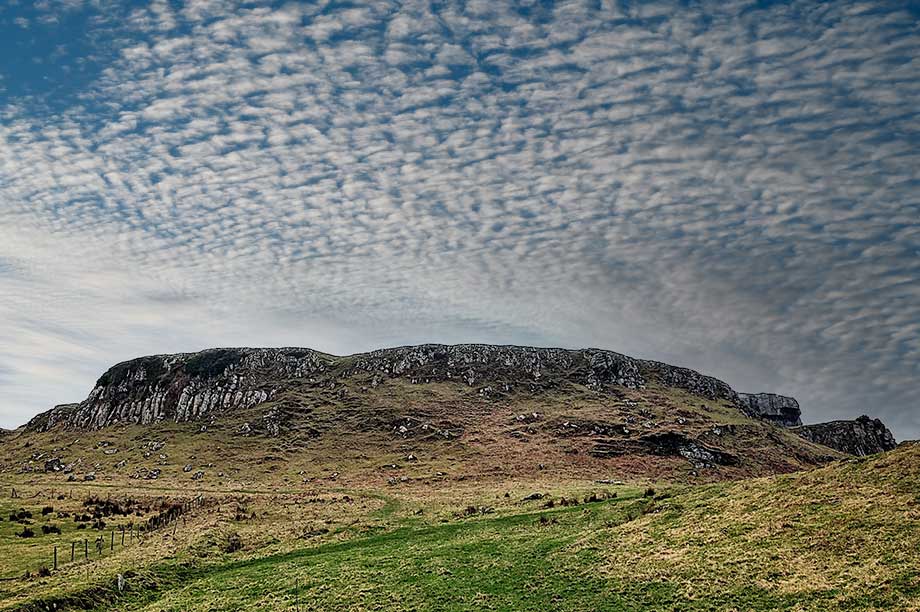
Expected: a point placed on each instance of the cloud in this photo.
(727, 186)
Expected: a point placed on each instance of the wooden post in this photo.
(112, 545)
(73, 548)
(85, 549)
(122, 535)
(55, 558)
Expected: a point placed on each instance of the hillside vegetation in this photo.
(841, 537)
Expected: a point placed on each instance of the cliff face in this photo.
(194, 386)
(182, 387)
(777, 409)
(861, 436)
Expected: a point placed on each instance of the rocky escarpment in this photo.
(505, 368)
(183, 387)
(777, 409)
(861, 436)
(197, 386)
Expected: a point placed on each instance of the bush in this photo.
(26, 533)
(47, 510)
(43, 572)
(233, 543)
(46, 529)
(649, 492)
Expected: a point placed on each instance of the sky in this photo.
(730, 186)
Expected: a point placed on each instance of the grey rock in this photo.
(779, 409)
(860, 437)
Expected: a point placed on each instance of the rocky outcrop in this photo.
(60, 414)
(861, 436)
(200, 386)
(777, 409)
(183, 387)
(508, 367)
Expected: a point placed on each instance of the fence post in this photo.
(85, 549)
(73, 548)
(55, 558)
(122, 535)
(112, 545)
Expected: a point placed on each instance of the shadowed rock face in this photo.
(196, 386)
(777, 409)
(861, 436)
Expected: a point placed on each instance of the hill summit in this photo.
(493, 407)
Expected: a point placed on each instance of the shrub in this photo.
(47, 510)
(26, 533)
(233, 543)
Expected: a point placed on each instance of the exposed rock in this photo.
(777, 409)
(60, 414)
(201, 386)
(89, 476)
(861, 436)
(198, 475)
(53, 465)
(667, 443)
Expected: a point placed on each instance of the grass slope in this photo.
(842, 537)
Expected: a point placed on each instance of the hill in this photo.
(229, 416)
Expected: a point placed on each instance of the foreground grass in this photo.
(844, 537)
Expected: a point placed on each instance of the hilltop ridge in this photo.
(191, 386)
(485, 408)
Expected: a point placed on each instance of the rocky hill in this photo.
(197, 386)
(861, 436)
(489, 408)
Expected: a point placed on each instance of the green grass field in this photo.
(842, 537)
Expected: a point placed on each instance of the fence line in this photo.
(136, 533)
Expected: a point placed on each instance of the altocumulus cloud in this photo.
(731, 186)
